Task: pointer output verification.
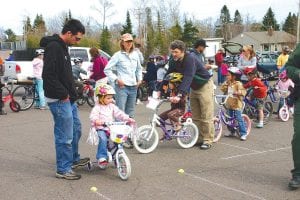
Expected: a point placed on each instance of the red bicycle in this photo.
(87, 93)
(9, 85)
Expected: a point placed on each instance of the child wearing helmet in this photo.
(285, 84)
(259, 92)
(177, 109)
(38, 64)
(76, 71)
(105, 111)
(234, 88)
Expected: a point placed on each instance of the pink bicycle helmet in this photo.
(283, 75)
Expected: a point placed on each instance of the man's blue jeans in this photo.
(40, 92)
(240, 120)
(102, 146)
(125, 99)
(67, 132)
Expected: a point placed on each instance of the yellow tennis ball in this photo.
(93, 189)
(181, 171)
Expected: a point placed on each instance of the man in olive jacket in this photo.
(293, 71)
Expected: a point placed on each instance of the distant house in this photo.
(266, 40)
(214, 45)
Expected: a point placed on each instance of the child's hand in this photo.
(131, 121)
(98, 123)
(256, 87)
(175, 99)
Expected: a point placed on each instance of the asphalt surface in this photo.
(258, 168)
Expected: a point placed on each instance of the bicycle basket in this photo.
(152, 103)
(119, 133)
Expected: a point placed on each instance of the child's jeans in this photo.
(102, 146)
(238, 115)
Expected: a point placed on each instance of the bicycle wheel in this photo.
(14, 106)
(24, 95)
(123, 165)
(80, 101)
(218, 129)
(142, 93)
(188, 135)
(90, 101)
(269, 106)
(284, 114)
(267, 115)
(247, 123)
(145, 140)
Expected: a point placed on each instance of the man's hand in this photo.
(98, 122)
(120, 83)
(66, 99)
(139, 83)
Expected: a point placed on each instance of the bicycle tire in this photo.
(14, 106)
(142, 142)
(248, 123)
(24, 96)
(269, 106)
(184, 139)
(284, 114)
(142, 93)
(80, 101)
(123, 165)
(90, 101)
(218, 128)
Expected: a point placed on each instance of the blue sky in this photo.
(13, 15)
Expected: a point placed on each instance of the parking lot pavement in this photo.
(258, 168)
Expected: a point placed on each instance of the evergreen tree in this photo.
(127, 28)
(159, 41)
(225, 15)
(150, 40)
(39, 25)
(176, 32)
(237, 18)
(269, 21)
(11, 36)
(224, 24)
(27, 26)
(105, 43)
(290, 24)
(189, 33)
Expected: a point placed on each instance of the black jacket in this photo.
(188, 66)
(57, 71)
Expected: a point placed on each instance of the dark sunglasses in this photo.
(77, 38)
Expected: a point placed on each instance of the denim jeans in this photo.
(67, 132)
(238, 115)
(220, 78)
(125, 99)
(102, 146)
(40, 93)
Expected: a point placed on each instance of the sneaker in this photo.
(2, 112)
(44, 108)
(138, 101)
(243, 137)
(205, 146)
(70, 175)
(81, 162)
(291, 109)
(102, 163)
(294, 183)
(260, 125)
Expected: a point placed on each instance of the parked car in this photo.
(267, 62)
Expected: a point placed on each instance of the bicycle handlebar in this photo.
(219, 96)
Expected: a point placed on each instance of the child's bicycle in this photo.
(119, 132)
(251, 111)
(87, 93)
(9, 85)
(284, 113)
(147, 137)
(230, 122)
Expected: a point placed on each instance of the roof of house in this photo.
(264, 36)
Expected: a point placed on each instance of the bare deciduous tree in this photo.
(105, 10)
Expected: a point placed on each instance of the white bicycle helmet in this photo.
(39, 52)
(77, 60)
(235, 71)
(104, 89)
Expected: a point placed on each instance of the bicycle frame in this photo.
(226, 119)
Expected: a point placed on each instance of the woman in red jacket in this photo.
(99, 64)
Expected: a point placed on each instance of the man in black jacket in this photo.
(60, 93)
(202, 104)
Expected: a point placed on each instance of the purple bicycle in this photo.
(147, 138)
(227, 120)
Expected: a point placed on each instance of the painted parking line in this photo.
(256, 153)
(238, 147)
(225, 187)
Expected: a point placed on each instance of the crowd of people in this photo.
(188, 74)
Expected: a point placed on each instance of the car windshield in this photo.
(81, 53)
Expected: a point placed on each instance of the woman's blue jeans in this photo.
(67, 133)
(40, 92)
(102, 146)
(238, 115)
(125, 99)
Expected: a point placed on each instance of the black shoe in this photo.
(81, 162)
(2, 112)
(128, 144)
(68, 175)
(205, 146)
(294, 183)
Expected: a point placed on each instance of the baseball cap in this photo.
(200, 42)
(127, 37)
